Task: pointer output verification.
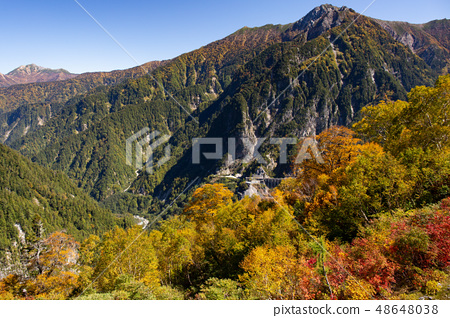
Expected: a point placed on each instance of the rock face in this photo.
(319, 20)
(430, 41)
(33, 73)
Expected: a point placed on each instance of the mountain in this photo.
(33, 73)
(430, 41)
(24, 108)
(60, 91)
(290, 80)
(31, 195)
(28, 107)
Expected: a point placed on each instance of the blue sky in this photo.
(59, 34)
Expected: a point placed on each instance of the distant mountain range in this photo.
(33, 73)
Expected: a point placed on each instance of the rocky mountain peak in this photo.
(319, 20)
(30, 68)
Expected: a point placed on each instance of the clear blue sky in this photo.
(58, 34)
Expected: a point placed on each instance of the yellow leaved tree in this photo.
(206, 201)
(121, 253)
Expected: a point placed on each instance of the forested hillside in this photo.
(372, 221)
(24, 108)
(430, 41)
(32, 197)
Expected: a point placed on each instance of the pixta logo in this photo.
(252, 146)
(144, 151)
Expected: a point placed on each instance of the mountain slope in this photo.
(194, 78)
(360, 68)
(5, 81)
(61, 91)
(195, 81)
(227, 87)
(430, 41)
(30, 193)
(33, 73)
(27, 107)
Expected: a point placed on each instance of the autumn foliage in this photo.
(370, 222)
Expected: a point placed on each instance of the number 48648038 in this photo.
(407, 309)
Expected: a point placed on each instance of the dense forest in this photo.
(32, 197)
(370, 222)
